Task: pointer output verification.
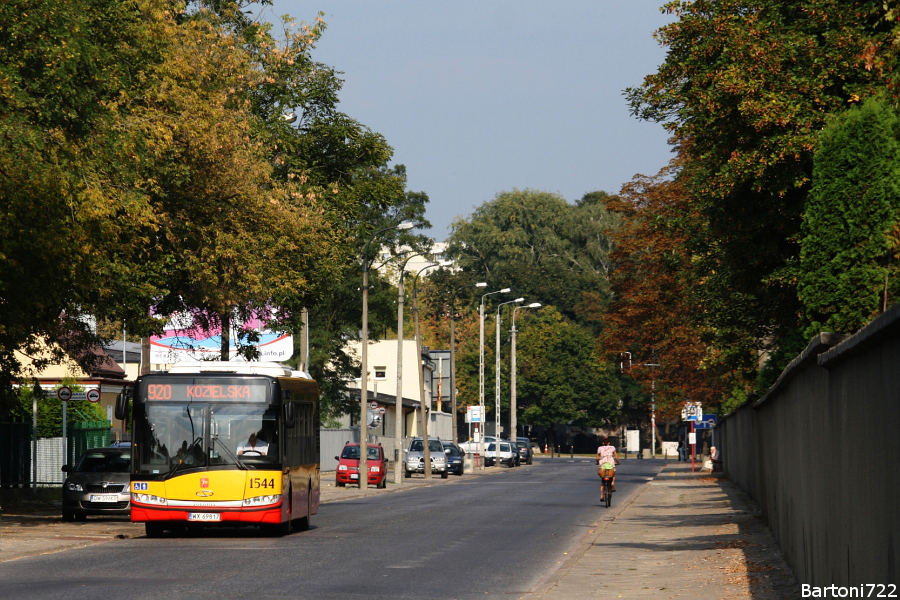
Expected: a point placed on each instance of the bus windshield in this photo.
(174, 436)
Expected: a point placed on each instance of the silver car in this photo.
(415, 457)
(98, 484)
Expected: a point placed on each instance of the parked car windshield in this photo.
(104, 462)
(433, 446)
(352, 453)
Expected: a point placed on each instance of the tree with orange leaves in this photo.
(654, 314)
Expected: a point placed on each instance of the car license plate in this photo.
(354, 476)
(104, 498)
(204, 517)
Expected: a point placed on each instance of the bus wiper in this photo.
(225, 447)
(183, 454)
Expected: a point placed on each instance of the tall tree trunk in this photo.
(225, 320)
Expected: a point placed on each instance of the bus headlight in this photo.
(148, 499)
(262, 500)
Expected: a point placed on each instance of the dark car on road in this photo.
(455, 458)
(98, 484)
(526, 454)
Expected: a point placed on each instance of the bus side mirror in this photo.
(290, 415)
(122, 405)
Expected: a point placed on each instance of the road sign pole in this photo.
(65, 441)
(693, 447)
(64, 393)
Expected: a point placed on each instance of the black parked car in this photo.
(526, 454)
(98, 484)
(455, 458)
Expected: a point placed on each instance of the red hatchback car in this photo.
(348, 466)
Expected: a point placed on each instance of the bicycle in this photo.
(606, 486)
(606, 489)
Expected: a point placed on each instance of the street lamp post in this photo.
(652, 410)
(481, 370)
(497, 380)
(423, 409)
(364, 351)
(512, 369)
(398, 409)
(453, 355)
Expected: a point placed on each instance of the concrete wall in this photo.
(818, 455)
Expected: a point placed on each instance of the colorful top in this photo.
(607, 454)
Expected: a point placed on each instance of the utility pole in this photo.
(453, 405)
(364, 351)
(513, 332)
(398, 408)
(652, 410)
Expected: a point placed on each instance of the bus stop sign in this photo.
(692, 411)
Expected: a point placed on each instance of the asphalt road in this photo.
(485, 537)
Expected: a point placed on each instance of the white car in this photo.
(474, 447)
(507, 456)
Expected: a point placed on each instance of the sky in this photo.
(482, 97)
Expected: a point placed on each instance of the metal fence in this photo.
(333, 440)
(17, 450)
(15, 454)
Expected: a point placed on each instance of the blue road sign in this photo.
(707, 422)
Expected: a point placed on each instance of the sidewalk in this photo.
(683, 535)
(43, 532)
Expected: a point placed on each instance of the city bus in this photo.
(224, 443)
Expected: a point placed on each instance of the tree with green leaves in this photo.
(152, 140)
(847, 273)
(744, 90)
(561, 377)
(69, 228)
(539, 245)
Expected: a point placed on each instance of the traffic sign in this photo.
(692, 411)
(93, 395)
(64, 393)
(373, 405)
(381, 411)
(706, 422)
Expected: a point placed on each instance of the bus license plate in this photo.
(104, 498)
(204, 517)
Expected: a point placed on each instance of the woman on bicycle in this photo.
(607, 459)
